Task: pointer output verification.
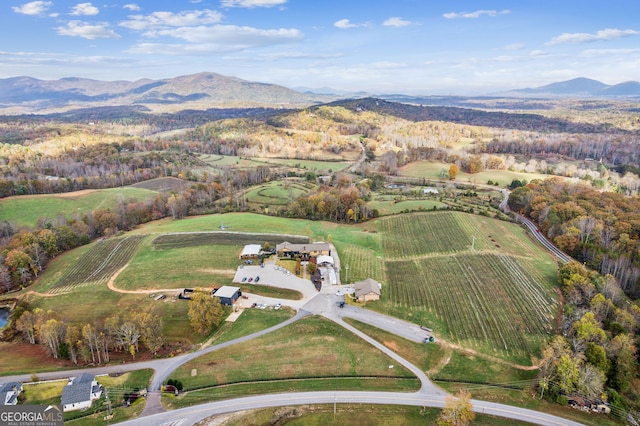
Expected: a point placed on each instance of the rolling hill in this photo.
(202, 90)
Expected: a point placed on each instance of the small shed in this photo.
(251, 251)
(228, 294)
(367, 290)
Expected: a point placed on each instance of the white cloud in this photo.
(169, 19)
(476, 14)
(132, 7)
(396, 22)
(345, 24)
(514, 46)
(591, 53)
(33, 8)
(538, 52)
(251, 3)
(217, 38)
(88, 31)
(606, 34)
(82, 9)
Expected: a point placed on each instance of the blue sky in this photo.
(399, 46)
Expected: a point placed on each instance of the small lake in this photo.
(4, 316)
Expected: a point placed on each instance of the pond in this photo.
(4, 316)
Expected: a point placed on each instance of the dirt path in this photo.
(112, 286)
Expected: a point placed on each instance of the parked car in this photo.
(278, 306)
(254, 305)
(258, 278)
(244, 279)
(250, 279)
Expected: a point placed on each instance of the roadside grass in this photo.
(352, 414)
(120, 414)
(424, 356)
(24, 358)
(27, 209)
(312, 348)
(433, 170)
(236, 390)
(477, 369)
(249, 322)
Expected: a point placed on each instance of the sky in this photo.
(379, 46)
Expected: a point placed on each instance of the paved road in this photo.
(192, 415)
(504, 206)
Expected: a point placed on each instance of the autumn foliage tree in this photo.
(454, 169)
(205, 312)
(457, 411)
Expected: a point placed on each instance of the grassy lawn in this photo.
(318, 167)
(26, 210)
(312, 348)
(424, 356)
(388, 206)
(268, 291)
(181, 267)
(352, 414)
(251, 321)
(44, 393)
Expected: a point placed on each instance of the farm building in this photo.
(9, 393)
(80, 392)
(251, 251)
(367, 290)
(304, 251)
(228, 294)
(430, 191)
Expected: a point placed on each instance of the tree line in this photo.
(600, 229)
(596, 355)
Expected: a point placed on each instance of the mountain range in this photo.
(27, 95)
(197, 91)
(582, 87)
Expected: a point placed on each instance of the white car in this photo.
(278, 306)
(339, 293)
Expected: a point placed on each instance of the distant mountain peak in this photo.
(582, 86)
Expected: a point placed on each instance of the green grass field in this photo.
(278, 193)
(433, 169)
(306, 355)
(27, 209)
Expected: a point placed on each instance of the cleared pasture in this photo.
(25, 210)
(433, 170)
(311, 165)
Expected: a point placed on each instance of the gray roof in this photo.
(226, 291)
(79, 390)
(5, 388)
(367, 286)
(307, 247)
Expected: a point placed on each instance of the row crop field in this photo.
(421, 234)
(99, 263)
(478, 281)
(362, 263)
(480, 297)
